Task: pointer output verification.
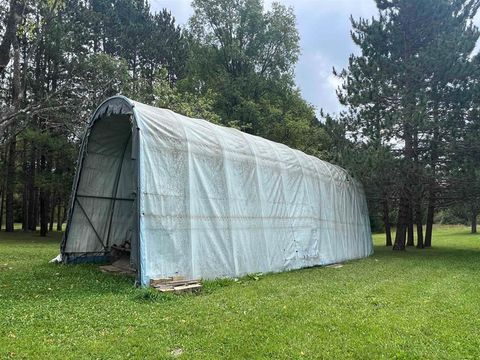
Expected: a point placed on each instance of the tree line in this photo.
(233, 64)
(408, 130)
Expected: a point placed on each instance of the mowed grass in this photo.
(418, 304)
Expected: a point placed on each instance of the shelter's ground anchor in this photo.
(176, 285)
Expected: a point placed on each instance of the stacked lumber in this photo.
(176, 285)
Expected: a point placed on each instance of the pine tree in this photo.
(398, 92)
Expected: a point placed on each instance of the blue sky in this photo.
(324, 27)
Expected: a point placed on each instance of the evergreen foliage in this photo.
(411, 108)
(67, 56)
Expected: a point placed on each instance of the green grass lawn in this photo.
(415, 304)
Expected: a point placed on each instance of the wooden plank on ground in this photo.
(176, 284)
(161, 281)
(187, 288)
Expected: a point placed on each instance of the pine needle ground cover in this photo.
(418, 304)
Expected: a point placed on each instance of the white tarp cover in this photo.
(216, 202)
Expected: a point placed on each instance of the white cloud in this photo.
(328, 6)
(334, 82)
(181, 9)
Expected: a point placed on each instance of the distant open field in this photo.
(416, 304)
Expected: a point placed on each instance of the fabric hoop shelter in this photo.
(204, 201)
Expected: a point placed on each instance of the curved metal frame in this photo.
(119, 105)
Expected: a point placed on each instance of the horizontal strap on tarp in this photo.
(104, 197)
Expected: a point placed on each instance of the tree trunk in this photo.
(474, 220)
(418, 220)
(14, 17)
(386, 221)
(25, 188)
(52, 212)
(10, 188)
(2, 197)
(36, 209)
(32, 203)
(43, 213)
(65, 215)
(420, 244)
(430, 215)
(404, 208)
(403, 218)
(44, 200)
(432, 183)
(25, 208)
(12, 143)
(402, 221)
(410, 237)
(59, 217)
(4, 186)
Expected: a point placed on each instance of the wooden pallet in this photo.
(176, 285)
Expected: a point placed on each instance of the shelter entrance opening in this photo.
(103, 219)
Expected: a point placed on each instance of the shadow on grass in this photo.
(31, 276)
(441, 255)
(84, 281)
(149, 295)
